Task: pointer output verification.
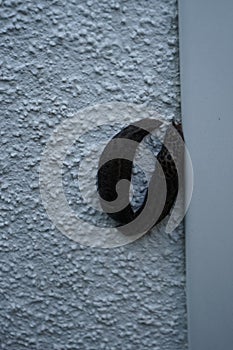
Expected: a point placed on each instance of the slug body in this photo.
(114, 170)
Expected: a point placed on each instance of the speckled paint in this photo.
(56, 58)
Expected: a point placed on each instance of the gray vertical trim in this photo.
(206, 48)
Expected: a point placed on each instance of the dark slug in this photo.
(117, 169)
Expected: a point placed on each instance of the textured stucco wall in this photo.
(58, 57)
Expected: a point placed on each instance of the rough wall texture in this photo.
(58, 57)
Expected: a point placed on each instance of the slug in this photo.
(114, 170)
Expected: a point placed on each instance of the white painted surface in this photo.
(207, 105)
